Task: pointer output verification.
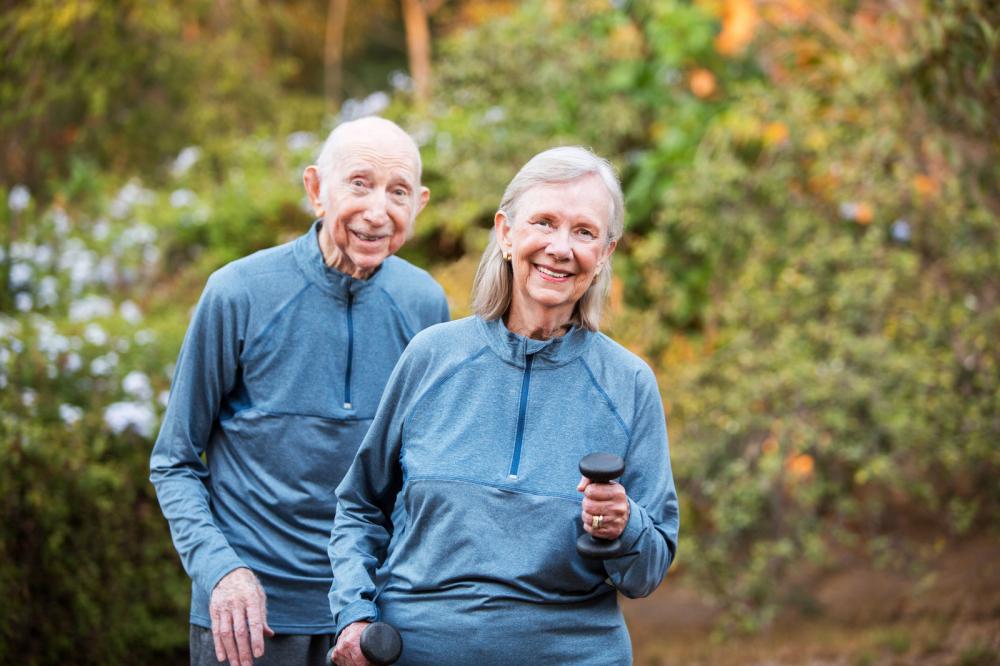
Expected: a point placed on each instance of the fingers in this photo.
(607, 500)
(220, 650)
(611, 526)
(256, 629)
(225, 636)
(241, 631)
(347, 652)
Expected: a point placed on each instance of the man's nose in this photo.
(377, 212)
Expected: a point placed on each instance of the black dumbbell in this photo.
(600, 468)
(380, 643)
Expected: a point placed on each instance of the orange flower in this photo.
(775, 133)
(864, 213)
(800, 466)
(739, 20)
(925, 185)
(702, 82)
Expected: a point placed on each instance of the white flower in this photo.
(48, 340)
(130, 312)
(401, 81)
(182, 198)
(60, 221)
(102, 228)
(18, 198)
(91, 307)
(374, 104)
(133, 193)
(70, 414)
(186, 159)
(78, 262)
(122, 416)
(73, 362)
(163, 398)
(107, 272)
(28, 397)
(137, 385)
(9, 326)
(48, 291)
(144, 337)
(23, 302)
(20, 275)
(95, 335)
(103, 365)
(494, 114)
(299, 141)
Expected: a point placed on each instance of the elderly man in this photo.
(276, 384)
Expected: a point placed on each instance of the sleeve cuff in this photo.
(220, 572)
(356, 611)
(635, 526)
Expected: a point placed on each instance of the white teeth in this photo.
(551, 273)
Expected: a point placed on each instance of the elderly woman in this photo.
(458, 519)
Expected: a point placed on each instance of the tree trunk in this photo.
(418, 46)
(333, 53)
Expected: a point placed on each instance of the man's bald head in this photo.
(370, 132)
(366, 187)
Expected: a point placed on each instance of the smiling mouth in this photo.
(555, 275)
(367, 237)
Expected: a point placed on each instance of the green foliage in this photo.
(810, 264)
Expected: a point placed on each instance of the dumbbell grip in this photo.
(380, 643)
(600, 468)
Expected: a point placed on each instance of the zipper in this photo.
(515, 461)
(350, 352)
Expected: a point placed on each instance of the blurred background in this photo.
(811, 265)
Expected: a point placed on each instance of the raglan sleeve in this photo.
(206, 370)
(366, 497)
(650, 536)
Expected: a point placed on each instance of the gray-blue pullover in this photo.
(277, 381)
(458, 519)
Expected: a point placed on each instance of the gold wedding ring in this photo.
(596, 522)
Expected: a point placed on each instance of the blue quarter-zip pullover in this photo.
(277, 381)
(463, 499)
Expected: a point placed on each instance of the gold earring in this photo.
(506, 256)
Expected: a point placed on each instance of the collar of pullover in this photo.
(514, 348)
(330, 280)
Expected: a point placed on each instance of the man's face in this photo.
(368, 201)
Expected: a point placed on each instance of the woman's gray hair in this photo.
(493, 286)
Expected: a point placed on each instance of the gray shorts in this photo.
(282, 649)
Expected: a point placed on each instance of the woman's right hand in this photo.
(347, 652)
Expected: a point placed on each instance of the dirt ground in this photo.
(935, 604)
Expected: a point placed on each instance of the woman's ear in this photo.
(501, 225)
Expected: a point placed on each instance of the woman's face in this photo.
(558, 242)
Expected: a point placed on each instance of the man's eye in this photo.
(544, 222)
(587, 233)
(357, 182)
(400, 192)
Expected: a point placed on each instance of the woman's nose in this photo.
(559, 246)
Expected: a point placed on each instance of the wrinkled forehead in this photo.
(381, 150)
(585, 197)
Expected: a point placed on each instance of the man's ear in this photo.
(423, 197)
(311, 181)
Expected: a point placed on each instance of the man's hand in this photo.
(348, 649)
(239, 618)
